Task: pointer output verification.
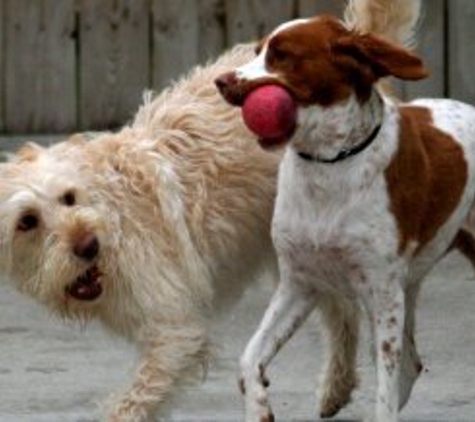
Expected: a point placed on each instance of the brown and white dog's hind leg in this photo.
(340, 321)
(412, 366)
(288, 309)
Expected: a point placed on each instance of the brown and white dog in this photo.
(371, 194)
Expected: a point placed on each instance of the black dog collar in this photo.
(345, 152)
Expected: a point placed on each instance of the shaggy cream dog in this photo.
(153, 230)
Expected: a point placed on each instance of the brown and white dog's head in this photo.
(320, 62)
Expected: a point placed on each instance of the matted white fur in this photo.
(180, 202)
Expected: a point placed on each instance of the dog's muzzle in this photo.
(231, 89)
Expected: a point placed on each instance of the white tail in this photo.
(395, 20)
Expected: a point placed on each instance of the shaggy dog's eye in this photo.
(28, 222)
(68, 199)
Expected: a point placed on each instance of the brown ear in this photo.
(385, 58)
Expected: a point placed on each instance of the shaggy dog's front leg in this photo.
(172, 356)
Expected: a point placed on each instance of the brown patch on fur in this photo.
(303, 60)
(323, 62)
(386, 347)
(426, 178)
(235, 92)
(392, 322)
(385, 59)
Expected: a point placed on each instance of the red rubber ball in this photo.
(269, 111)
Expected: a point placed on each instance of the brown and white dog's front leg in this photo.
(385, 299)
(288, 309)
(171, 356)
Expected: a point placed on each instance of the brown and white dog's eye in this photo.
(68, 199)
(28, 222)
(276, 56)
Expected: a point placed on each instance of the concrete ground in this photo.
(52, 371)
(56, 371)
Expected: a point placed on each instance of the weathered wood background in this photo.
(70, 65)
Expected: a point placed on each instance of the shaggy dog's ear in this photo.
(383, 57)
(29, 152)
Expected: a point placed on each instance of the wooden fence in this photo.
(71, 65)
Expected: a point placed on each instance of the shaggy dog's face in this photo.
(53, 239)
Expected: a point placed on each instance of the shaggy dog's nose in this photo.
(87, 247)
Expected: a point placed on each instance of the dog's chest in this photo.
(326, 233)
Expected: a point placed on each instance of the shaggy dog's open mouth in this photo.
(87, 286)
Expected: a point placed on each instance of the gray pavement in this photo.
(52, 370)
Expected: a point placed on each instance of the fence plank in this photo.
(431, 47)
(2, 69)
(175, 39)
(39, 65)
(307, 8)
(248, 20)
(461, 51)
(114, 60)
(211, 29)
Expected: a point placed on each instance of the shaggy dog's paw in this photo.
(335, 398)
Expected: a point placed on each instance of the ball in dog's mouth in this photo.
(271, 113)
(87, 287)
(276, 142)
